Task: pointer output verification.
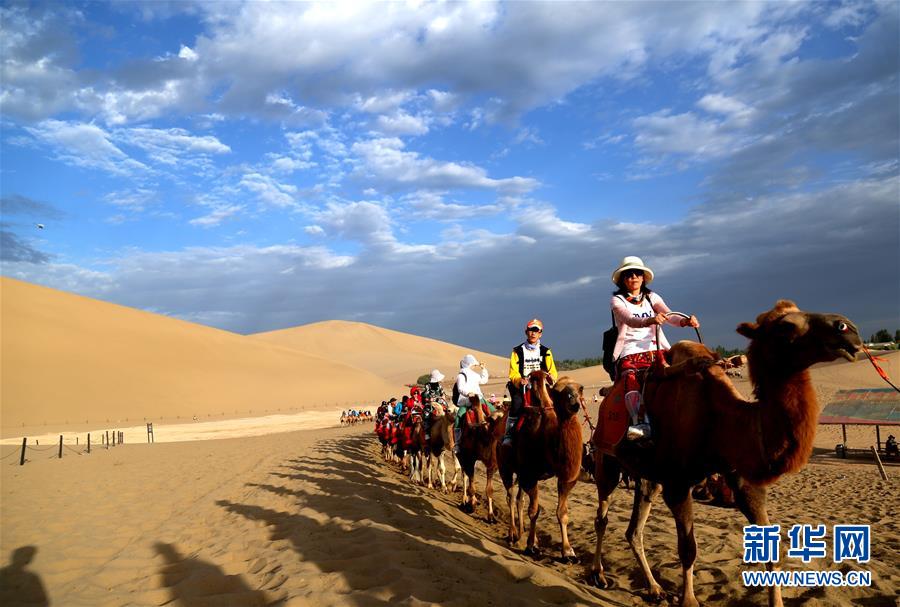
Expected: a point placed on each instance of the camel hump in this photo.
(684, 350)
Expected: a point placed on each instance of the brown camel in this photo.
(478, 442)
(440, 440)
(548, 444)
(702, 425)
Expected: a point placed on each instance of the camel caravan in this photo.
(354, 416)
(705, 438)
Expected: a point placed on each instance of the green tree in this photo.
(881, 336)
(423, 379)
(897, 336)
(725, 352)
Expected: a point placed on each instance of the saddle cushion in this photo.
(612, 421)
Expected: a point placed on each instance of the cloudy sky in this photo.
(452, 169)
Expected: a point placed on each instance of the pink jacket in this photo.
(629, 326)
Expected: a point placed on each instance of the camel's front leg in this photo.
(606, 475)
(563, 489)
(442, 472)
(457, 471)
(534, 508)
(678, 499)
(489, 495)
(752, 502)
(520, 512)
(644, 493)
(513, 535)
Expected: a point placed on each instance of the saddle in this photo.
(470, 418)
(612, 421)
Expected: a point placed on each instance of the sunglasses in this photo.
(534, 329)
(633, 273)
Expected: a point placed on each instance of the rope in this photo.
(881, 372)
(40, 448)
(10, 453)
(75, 451)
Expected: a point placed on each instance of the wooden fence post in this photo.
(22, 459)
(106, 435)
(878, 463)
(150, 437)
(60, 446)
(89, 442)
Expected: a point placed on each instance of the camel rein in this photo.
(880, 371)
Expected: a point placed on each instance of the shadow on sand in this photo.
(388, 541)
(192, 581)
(18, 586)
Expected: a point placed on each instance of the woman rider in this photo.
(638, 312)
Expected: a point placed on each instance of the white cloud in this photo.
(217, 216)
(667, 133)
(270, 191)
(170, 146)
(85, 145)
(386, 160)
(401, 123)
(729, 107)
(431, 205)
(187, 53)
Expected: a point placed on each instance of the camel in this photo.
(412, 438)
(548, 444)
(440, 440)
(478, 442)
(702, 425)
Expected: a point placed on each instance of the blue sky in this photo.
(454, 169)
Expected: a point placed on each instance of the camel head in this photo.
(793, 339)
(538, 382)
(568, 397)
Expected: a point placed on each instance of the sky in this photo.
(453, 170)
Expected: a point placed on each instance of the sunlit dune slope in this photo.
(67, 358)
(395, 356)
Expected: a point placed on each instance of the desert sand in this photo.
(272, 515)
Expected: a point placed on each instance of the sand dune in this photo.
(395, 356)
(68, 359)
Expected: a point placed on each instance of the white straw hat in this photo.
(436, 376)
(633, 263)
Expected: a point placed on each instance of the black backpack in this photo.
(610, 336)
(455, 392)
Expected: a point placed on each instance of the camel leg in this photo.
(751, 501)
(606, 475)
(534, 508)
(679, 501)
(644, 493)
(457, 472)
(520, 513)
(563, 489)
(512, 536)
(489, 495)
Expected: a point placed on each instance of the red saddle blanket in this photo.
(470, 415)
(612, 421)
(407, 438)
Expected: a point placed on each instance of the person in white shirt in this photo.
(468, 382)
(638, 312)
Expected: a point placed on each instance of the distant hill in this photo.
(395, 356)
(67, 358)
